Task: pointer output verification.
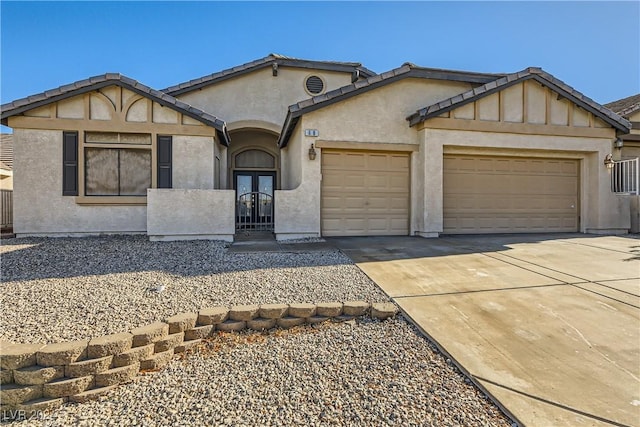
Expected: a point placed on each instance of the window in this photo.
(117, 164)
(255, 159)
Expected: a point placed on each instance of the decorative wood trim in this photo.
(112, 109)
(570, 113)
(118, 106)
(519, 128)
(547, 106)
(117, 145)
(127, 106)
(86, 100)
(371, 146)
(525, 101)
(109, 126)
(111, 200)
(150, 111)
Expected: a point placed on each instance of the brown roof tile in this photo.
(534, 73)
(267, 61)
(66, 91)
(404, 71)
(625, 106)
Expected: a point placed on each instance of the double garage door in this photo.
(364, 193)
(484, 194)
(368, 193)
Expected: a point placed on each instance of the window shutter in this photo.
(164, 161)
(70, 163)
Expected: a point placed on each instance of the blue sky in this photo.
(593, 46)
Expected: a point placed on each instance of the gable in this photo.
(378, 115)
(273, 62)
(259, 95)
(535, 103)
(527, 102)
(104, 102)
(110, 108)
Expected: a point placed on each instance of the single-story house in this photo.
(315, 148)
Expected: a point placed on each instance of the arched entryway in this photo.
(254, 172)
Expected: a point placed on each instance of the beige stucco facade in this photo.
(260, 99)
(524, 120)
(39, 205)
(39, 208)
(190, 214)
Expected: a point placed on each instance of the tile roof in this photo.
(501, 83)
(405, 71)
(267, 61)
(93, 83)
(625, 106)
(6, 151)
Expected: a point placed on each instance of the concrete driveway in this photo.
(549, 325)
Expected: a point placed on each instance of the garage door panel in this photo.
(364, 193)
(501, 194)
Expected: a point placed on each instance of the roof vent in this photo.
(314, 85)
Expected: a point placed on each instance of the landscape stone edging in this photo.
(79, 371)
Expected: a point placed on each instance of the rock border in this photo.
(37, 377)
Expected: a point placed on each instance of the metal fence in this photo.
(6, 199)
(254, 212)
(625, 176)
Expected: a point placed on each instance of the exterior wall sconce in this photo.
(618, 143)
(312, 152)
(609, 162)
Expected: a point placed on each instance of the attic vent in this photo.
(314, 85)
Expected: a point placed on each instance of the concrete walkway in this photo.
(549, 325)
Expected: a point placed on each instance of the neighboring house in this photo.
(626, 174)
(629, 108)
(6, 161)
(313, 148)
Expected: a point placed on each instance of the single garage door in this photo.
(364, 193)
(484, 194)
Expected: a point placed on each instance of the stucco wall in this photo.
(252, 139)
(181, 214)
(193, 162)
(259, 95)
(380, 114)
(40, 208)
(297, 210)
(290, 160)
(600, 210)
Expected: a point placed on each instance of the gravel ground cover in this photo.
(367, 373)
(68, 289)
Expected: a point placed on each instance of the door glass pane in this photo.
(243, 185)
(265, 184)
